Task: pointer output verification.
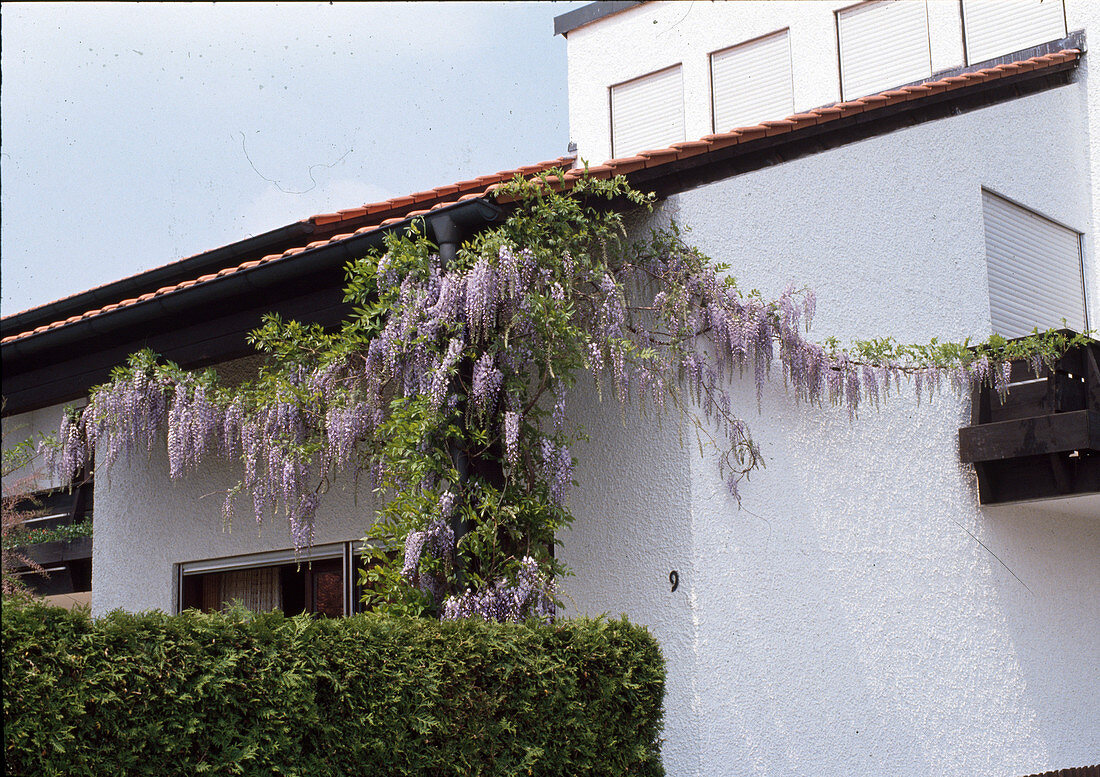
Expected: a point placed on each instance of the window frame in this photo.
(968, 60)
(710, 71)
(345, 551)
(615, 154)
(840, 55)
(984, 190)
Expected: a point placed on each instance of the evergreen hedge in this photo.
(238, 693)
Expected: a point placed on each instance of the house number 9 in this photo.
(674, 578)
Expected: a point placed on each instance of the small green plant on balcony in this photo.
(23, 537)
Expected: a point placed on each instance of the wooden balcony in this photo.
(1042, 439)
(68, 563)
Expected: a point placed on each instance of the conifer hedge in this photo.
(238, 693)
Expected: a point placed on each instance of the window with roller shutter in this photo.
(647, 112)
(327, 582)
(883, 44)
(993, 28)
(751, 82)
(1034, 268)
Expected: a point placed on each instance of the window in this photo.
(996, 27)
(751, 82)
(647, 112)
(1034, 267)
(324, 581)
(882, 44)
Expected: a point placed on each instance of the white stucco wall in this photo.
(655, 35)
(1085, 15)
(851, 617)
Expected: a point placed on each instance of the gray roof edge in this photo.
(586, 14)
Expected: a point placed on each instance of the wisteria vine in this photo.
(449, 386)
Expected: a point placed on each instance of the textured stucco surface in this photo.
(1085, 15)
(657, 35)
(851, 616)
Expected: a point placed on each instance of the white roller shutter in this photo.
(882, 44)
(647, 112)
(996, 27)
(752, 82)
(1035, 275)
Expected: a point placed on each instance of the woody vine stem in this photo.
(448, 385)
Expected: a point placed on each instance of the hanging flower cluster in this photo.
(449, 385)
(438, 540)
(531, 596)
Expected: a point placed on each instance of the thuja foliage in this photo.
(242, 693)
(449, 382)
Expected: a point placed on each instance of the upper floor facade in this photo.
(646, 75)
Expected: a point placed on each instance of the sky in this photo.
(137, 134)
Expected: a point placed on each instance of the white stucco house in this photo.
(915, 591)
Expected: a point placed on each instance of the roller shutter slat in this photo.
(883, 44)
(997, 27)
(647, 112)
(1035, 276)
(752, 82)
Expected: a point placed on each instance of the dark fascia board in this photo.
(151, 280)
(299, 265)
(567, 22)
(115, 329)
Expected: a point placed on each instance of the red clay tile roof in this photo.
(440, 195)
(398, 209)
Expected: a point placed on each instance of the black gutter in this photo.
(151, 280)
(466, 215)
(567, 22)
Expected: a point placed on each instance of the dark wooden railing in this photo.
(1041, 439)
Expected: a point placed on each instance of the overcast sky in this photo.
(134, 135)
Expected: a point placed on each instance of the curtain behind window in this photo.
(257, 589)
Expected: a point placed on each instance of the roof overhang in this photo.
(205, 322)
(593, 12)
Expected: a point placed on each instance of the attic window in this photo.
(1035, 272)
(751, 82)
(647, 112)
(996, 27)
(882, 44)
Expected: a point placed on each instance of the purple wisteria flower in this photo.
(511, 437)
(557, 469)
(487, 381)
(438, 540)
(531, 596)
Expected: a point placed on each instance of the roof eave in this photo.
(190, 267)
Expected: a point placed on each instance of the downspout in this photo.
(447, 234)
